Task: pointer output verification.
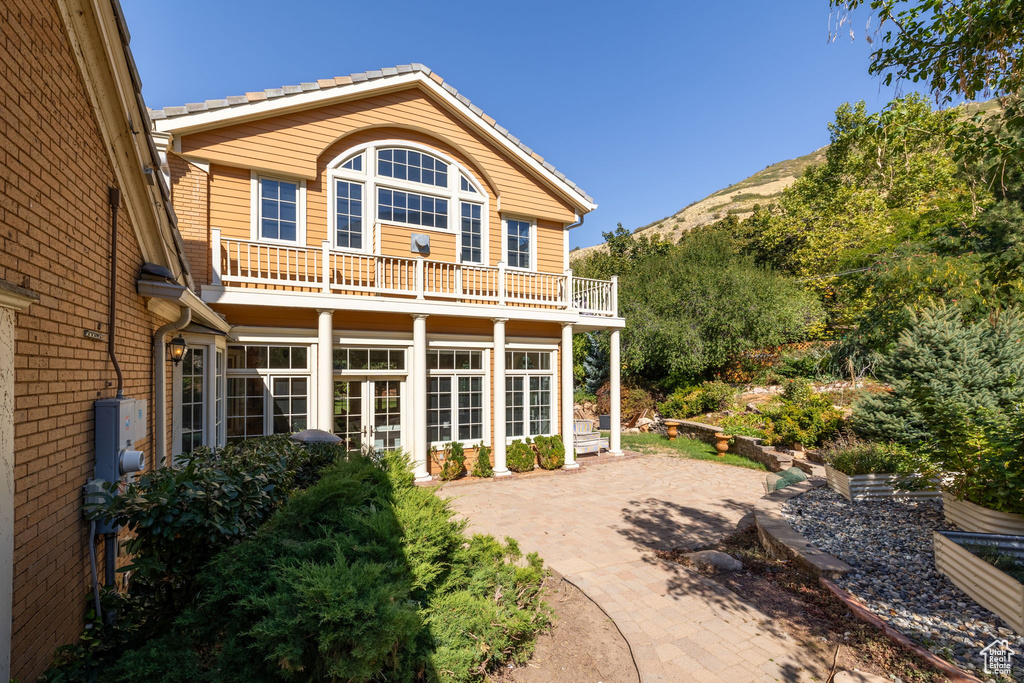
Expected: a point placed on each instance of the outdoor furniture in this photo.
(585, 439)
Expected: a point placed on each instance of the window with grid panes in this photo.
(455, 396)
(528, 394)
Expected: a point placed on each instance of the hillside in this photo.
(738, 199)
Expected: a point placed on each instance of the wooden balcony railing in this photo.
(242, 262)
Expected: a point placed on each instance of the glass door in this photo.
(368, 412)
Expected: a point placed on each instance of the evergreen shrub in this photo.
(362, 577)
(520, 456)
(483, 467)
(550, 451)
(451, 460)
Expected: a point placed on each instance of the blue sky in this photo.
(646, 105)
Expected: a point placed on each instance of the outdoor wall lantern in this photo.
(176, 349)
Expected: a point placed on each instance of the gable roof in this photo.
(214, 113)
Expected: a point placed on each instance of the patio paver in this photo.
(599, 529)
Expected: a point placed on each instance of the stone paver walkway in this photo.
(598, 529)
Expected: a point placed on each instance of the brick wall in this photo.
(54, 240)
(190, 192)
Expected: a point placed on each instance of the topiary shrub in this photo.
(550, 451)
(520, 457)
(450, 460)
(483, 467)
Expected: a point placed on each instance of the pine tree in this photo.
(597, 363)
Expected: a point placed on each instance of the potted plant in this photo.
(988, 567)
(862, 470)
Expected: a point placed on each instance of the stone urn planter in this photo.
(971, 517)
(991, 588)
(672, 427)
(871, 486)
(722, 443)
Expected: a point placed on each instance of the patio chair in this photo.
(585, 439)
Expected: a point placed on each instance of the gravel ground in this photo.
(889, 544)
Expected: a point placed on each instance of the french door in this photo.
(368, 412)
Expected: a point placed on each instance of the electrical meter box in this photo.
(120, 427)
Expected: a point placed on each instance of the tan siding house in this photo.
(394, 265)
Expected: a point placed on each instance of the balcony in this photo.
(243, 263)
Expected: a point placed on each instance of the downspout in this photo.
(114, 198)
(160, 384)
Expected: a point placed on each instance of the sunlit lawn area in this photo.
(684, 448)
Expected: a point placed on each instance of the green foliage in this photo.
(451, 460)
(520, 456)
(691, 307)
(743, 424)
(362, 577)
(956, 395)
(852, 457)
(596, 362)
(637, 399)
(550, 451)
(483, 467)
(580, 348)
(707, 398)
(800, 415)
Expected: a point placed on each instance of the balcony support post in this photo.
(325, 265)
(567, 408)
(420, 445)
(498, 399)
(568, 298)
(615, 389)
(215, 256)
(614, 303)
(325, 370)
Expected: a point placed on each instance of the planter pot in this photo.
(870, 486)
(721, 443)
(672, 427)
(994, 590)
(971, 517)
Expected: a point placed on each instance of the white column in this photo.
(325, 371)
(498, 399)
(419, 398)
(616, 395)
(567, 396)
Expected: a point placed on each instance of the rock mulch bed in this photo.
(889, 545)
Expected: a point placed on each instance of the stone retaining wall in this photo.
(747, 446)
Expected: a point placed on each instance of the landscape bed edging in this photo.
(859, 487)
(782, 541)
(975, 518)
(995, 590)
(951, 671)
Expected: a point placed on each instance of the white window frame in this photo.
(255, 204)
(483, 373)
(553, 392)
(505, 218)
(211, 345)
(371, 182)
(268, 375)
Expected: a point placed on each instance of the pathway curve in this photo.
(599, 528)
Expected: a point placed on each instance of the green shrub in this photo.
(743, 424)
(800, 415)
(362, 577)
(483, 468)
(451, 460)
(550, 451)
(957, 391)
(520, 456)
(635, 400)
(707, 398)
(852, 457)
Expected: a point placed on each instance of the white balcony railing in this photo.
(242, 262)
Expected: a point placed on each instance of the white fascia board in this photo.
(199, 121)
(241, 296)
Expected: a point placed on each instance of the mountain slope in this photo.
(737, 199)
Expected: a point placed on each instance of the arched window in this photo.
(407, 184)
